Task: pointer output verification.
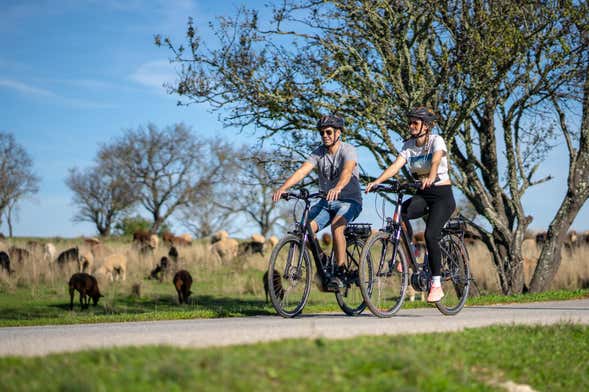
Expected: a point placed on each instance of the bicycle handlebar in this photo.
(303, 194)
(396, 187)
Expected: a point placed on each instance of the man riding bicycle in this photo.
(336, 162)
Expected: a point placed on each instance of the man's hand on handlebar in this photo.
(278, 194)
(333, 194)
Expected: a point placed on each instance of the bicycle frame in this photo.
(396, 228)
(307, 235)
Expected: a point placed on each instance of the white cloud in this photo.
(25, 88)
(154, 74)
(37, 92)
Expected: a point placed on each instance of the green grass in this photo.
(44, 305)
(548, 358)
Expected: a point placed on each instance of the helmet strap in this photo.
(422, 132)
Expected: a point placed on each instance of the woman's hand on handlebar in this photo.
(369, 186)
(427, 182)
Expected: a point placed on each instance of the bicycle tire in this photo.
(383, 287)
(456, 276)
(288, 291)
(350, 299)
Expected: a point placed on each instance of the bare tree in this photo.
(166, 169)
(259, 174)
(488, 67)
(101, 195)
(16, 176)
(206, 215)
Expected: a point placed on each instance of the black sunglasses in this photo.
(327, 132)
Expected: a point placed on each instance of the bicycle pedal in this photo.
(335, 284)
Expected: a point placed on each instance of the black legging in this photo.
(438, 202)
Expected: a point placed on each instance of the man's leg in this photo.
(338, 226)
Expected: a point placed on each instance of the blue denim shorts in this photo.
(325, 211)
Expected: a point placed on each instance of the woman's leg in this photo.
(413, 208)
(441, 207)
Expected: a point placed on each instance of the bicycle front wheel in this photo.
(455, 275)
(383, 275)
(289, 277)
(350, 298)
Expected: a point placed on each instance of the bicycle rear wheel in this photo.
(455, 275)
(350, 298)
(289, 282)
(383, 281)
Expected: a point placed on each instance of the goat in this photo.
(276, 283)
(18, 254)
(173, 254)
(160, 270)
(5, 262)
(182, 283)
(67, 256)
(225, 249)
(87, 286)
(114, 263)
(219, 236)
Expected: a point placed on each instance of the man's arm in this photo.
(297, 176)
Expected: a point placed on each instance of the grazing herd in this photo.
(92, 260)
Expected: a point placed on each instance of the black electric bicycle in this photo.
(289, 268)
(389, 254)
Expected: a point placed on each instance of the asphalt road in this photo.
(33, 341)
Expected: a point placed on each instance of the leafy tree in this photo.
(489, 68)
(17, 179)
(131, 224)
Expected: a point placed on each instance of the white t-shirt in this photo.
(419, 159)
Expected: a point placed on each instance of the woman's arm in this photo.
(388, 173)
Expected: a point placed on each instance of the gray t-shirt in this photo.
(330, 168)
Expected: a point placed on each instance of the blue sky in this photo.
(76, 73)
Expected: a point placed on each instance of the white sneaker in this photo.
(435, 294)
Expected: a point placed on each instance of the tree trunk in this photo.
(550, 257)
(9, 222)
(577, 195)
(508, 262)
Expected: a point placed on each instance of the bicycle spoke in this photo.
(290, 286)
(383, 291)
(350, 298)
(455, 275)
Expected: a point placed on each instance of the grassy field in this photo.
(547, 358)
(36, 294)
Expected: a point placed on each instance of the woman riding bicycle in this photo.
(426, 155)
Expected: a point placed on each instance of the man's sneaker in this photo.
(435, 294)
(335, 283)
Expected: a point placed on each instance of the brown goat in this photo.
(182, 283)
(87, 286)
(276, 283)
(160, 270)
(5, 262)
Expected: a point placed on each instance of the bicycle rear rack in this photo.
(361, 230)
